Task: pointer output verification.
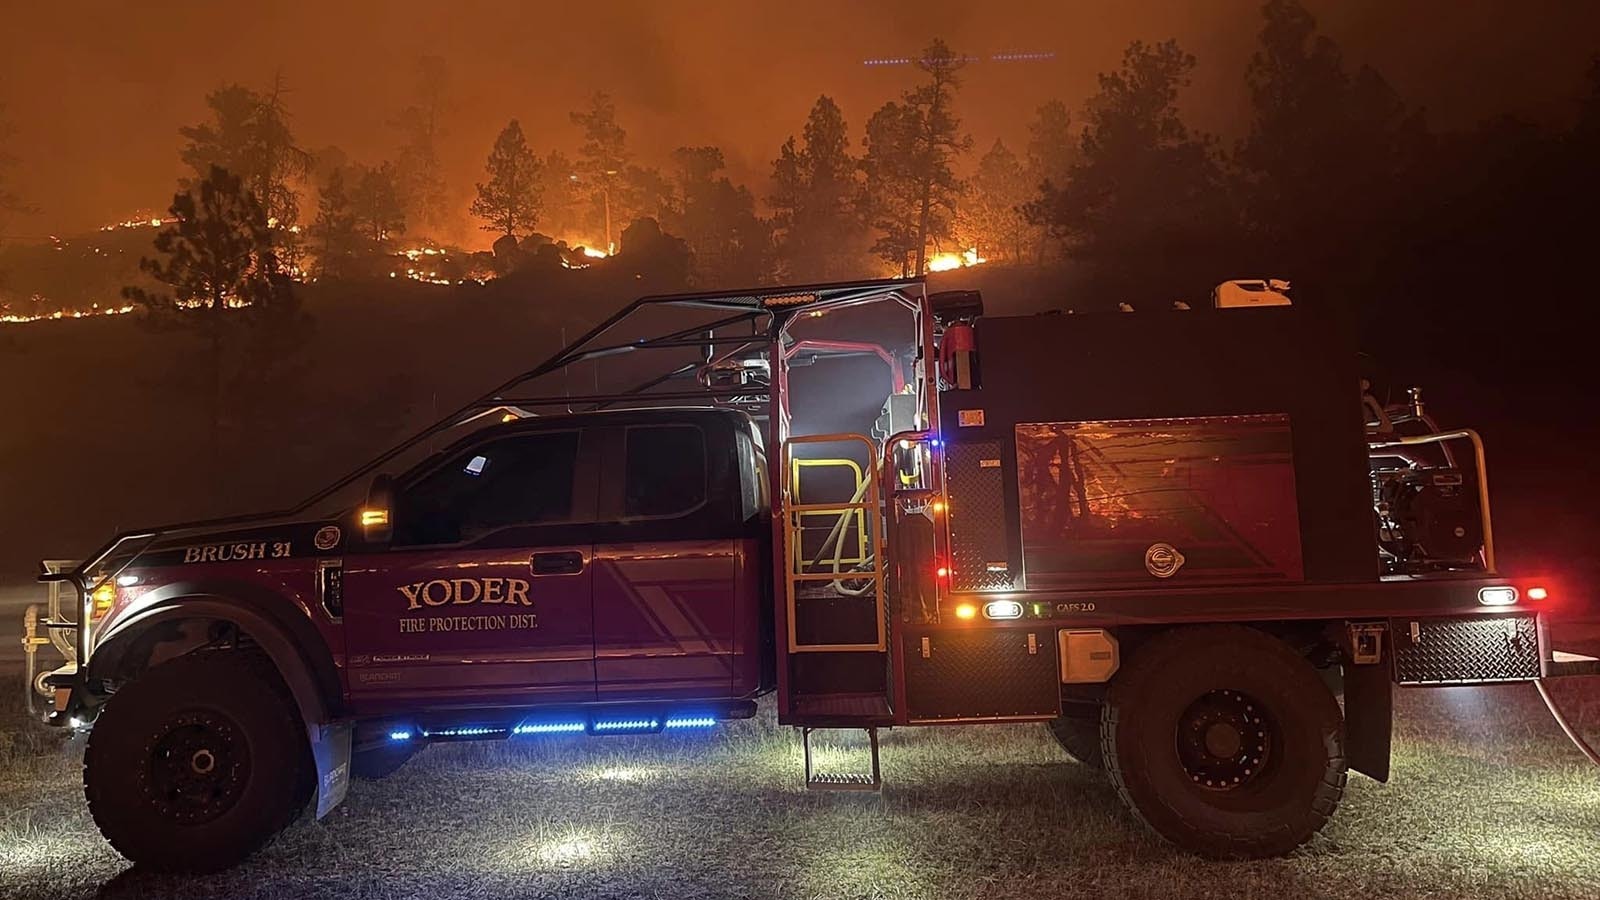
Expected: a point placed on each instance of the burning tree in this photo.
(509, 201)
(218, 261)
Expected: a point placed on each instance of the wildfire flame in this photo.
(944, 262)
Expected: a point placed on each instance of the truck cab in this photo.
(611, 558)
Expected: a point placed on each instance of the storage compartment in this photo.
(1181, 501)
(1463, 650)
(984, 673)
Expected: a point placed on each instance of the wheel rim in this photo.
(196, 767)
(1226, 740)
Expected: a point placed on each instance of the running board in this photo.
(846, 781)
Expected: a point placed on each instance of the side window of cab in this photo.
(665, 471)
(511, 481)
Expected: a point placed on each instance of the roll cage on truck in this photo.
(1174, 536)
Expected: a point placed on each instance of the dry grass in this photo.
(1487, 801)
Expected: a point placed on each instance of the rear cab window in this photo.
(665, 471)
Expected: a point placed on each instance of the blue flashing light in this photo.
(399, 735)
(548, 728)
(628, 725)
(690, 722)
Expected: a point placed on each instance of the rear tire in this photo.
(197, 763)
(1225, 742)
(1081, 739)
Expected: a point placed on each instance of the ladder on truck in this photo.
(848, 563)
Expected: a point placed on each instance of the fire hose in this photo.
(1566, 725)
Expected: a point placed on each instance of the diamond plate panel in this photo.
(975, 486)
(984, 673)
(1465, 650)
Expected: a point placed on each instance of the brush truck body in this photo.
(1172, 536)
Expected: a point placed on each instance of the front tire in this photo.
(197, 763)
(1225, 742)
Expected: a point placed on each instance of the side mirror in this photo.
(377, 514)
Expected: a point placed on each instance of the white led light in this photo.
(691, 722)
(127, 580)
(548, 728)
(1002, 609)
(627, 725)
(399, 735)
(1500, 595)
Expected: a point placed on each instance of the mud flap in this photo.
(330, 748)
(1368, 719)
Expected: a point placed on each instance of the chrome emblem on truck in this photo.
(1163, 560)
(327, 537)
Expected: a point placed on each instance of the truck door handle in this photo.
(557, 562)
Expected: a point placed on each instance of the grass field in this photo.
(1487, 801)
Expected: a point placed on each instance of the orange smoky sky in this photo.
(96, 91)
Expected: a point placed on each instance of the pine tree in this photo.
(249, 136)
(224, 282)
(912, 146)
(815, 187)
(603, 165)
(992, 217)
(376, 203)
(509, 201)
(1144, 186)
(419, 175)
(335, 230)
(717, 219)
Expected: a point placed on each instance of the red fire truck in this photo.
(1175, 536)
